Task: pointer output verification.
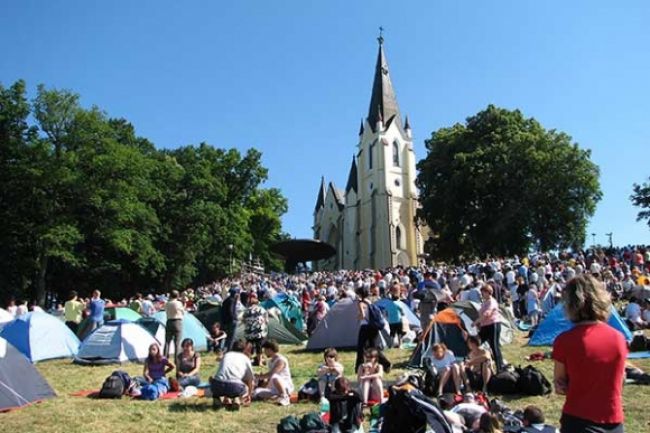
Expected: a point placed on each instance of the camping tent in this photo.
(339, 328)
(290, 307)
(468, 312)
(20, 381)
(394, 308)
(110, 313)
(116, 341)
(192, 328)
(153, 327)
(41, 336)
(446, 327)
(557, 322)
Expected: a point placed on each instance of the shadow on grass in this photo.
(204, 405)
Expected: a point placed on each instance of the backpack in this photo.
(312, 422)
(639, 343)
(504, 383)
(112, 388)
(532, 381)
(375, 317)
(309, 391)
(289, 424)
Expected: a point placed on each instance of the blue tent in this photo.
(397, 309)
(557, 322)
(289, 306)
(192, 328)
(40, 336)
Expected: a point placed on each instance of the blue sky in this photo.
(293, 78)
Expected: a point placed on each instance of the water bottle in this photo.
(325, 410)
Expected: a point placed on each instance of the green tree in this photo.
(641, 199)
(501, 184)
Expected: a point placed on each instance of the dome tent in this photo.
(153, 327)
(41, 336)
(5, 317)
(192, 328)
(20, 382)
(110, 313)
(339, 328)
(116, 341)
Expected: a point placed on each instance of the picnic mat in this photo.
(638, 355)
(94, 393)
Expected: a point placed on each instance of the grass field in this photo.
(76, 414)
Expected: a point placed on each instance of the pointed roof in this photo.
(407, 125)
(320, 202)
(338, 196)
(352, 177)
(383, 102)
(361, 128)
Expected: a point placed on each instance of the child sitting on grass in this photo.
(346, 413)
(370, 376)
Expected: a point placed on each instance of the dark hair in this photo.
(330, 351)
(158, 357)
(489, 423)
(72, 294)
(474, 339)
(238, 345)
(534, 415)
(363, 292)
(271, 345)
(341, 385)
(174, 294)
(186, 341)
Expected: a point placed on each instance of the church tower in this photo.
(372, 222)
(386, 173)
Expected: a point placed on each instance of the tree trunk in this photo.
(39, 287)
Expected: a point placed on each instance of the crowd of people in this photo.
(529, 287)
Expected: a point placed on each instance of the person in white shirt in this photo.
(279, 383)
(443, 363)
(148, 309)
(633, 313)
(174, 327)
(234, 379)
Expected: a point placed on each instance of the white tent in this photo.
(5, 317)
(116, 342)
(339, 328)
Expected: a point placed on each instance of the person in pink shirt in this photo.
(489, 323)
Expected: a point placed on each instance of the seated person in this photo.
(369, 377)
(278, 379)
(346, 414)
(478, 365)
(156, 366)
(634, 315)
(189, 364)
(442, 363)
(233, 383)
(328, 372)
(217, 338)
(470, 411)
(534, 421)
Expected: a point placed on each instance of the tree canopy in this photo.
(501, 184)
(85, 203)
(641, 199)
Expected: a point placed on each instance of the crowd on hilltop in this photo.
(529, 287)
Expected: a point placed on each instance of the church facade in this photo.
(371, 222)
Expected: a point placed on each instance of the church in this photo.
(371, 223)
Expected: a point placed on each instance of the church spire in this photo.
(320, 202)
(352, 177)
(383, 102)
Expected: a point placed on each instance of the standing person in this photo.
(278, 378)
(136, 303)
(148, 310)
(532, 305)
(174, 329)
(229, 315)
(367, 333)
(589, 361)
(256, 326)
(73, 312)
(426, 293)
(489, 321)
(96, 312)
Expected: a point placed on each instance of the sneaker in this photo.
(285, 400)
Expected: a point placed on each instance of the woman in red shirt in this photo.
(589, 361)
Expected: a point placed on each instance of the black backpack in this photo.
(639, 343)
(504, 383)
(113, 387)
(375, 317)
(533, 382)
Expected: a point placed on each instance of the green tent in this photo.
(110, 313)
(290, 308)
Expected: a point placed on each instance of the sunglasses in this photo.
(331, 356)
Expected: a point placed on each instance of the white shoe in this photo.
(284, 400)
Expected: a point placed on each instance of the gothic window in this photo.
(396, 153)
(398, 237)
(370, 155)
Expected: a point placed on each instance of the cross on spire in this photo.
(381, 35)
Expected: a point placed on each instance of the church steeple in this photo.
(352, 178)
(320, 202)
(383, 102)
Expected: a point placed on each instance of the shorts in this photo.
(573, 424)
(228, 388)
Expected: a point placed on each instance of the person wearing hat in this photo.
(256, 322)
(229, 315)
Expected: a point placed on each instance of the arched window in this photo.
(398, 237)
(370, 155)
(396, 153)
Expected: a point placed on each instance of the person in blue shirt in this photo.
(96, 307)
